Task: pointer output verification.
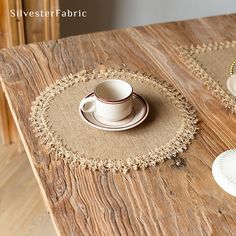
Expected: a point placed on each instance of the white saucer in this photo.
(231, 84)
(224, 171)
(137, 116)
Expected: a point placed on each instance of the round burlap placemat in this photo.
(169, 127)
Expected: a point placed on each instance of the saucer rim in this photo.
(125, 126)
(118, 126)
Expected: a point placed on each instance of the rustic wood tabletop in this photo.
(164, 200)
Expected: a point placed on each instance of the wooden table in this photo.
(162, 200)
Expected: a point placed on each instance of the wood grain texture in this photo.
(162, 200)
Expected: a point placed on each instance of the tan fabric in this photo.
(211, 63)
(217, 64)
(169, 126)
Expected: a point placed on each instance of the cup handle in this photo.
(88, 101)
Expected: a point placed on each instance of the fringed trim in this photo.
(187, 55)
(55, 145)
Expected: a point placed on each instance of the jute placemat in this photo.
(168, 129)
(211, 64)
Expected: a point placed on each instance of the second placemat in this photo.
(211, 64)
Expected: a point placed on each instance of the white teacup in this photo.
(112, 100)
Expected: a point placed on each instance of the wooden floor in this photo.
(22, 211)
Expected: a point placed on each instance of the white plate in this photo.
(231, 84)
(137, 116)
(224, 171)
